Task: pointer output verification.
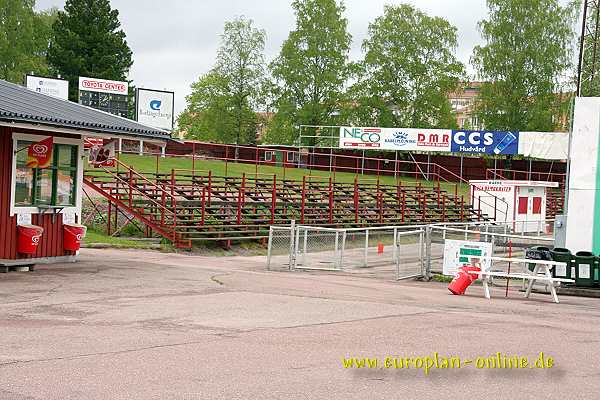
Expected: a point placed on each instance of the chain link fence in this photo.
(392, 252)
(386, 252)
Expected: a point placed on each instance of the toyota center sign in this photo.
(155, 108)
(103, 86)
(104, 95)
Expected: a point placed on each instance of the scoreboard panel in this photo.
(104, 95)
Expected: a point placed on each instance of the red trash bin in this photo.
(463, 279)
(28, 238)
(72, 235)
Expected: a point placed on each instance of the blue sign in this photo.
(485, 142)
(155, 105)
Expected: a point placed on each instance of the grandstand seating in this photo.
(189, 206)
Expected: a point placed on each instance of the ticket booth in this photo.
(523, 203)
(41, 170)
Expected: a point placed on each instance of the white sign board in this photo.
(456, 253)
(436, 140)
(155, 108)
(103, 85)
(23, 219)
(48, 86)
(68, 217)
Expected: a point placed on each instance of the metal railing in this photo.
(395, 251)
(392, 252)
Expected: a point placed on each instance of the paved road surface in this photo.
(149, 325)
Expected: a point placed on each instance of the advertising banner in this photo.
(49, 86)
(103, 156)
(155, 108)
(103, 86)
(485, 142)
(410, 139)
(457, 253)
(39, 155)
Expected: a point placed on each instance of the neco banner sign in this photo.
(395, 139)
(155, 108)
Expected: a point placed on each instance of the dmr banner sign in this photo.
(395, 139)
(155, 108)
(430, 140)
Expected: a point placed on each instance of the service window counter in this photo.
(523, 203)
(45, 192)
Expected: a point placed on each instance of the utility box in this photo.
(523, 203)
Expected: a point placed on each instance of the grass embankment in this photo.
(94, 239)
(151, 164)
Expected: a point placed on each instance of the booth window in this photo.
(51, 186)
(268, 156)
(293, 156)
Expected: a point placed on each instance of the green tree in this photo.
(311, 69)
(211, 114)
(88, 41)
(408, 70)
(221, 107)
(240, 61)
(524, 63)
(24, 39)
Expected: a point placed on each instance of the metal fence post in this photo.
(427, 251)
(343, 249)
(366, 249)
(304, 247)
(425, 268)
(269, 248)
(293, 245)
(336, 248)
(397, 253)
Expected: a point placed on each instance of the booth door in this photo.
(530, 209)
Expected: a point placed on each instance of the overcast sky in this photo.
(175, 41)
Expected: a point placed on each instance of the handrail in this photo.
(141, 176)
(161, 190)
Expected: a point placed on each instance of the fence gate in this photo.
(410, 254)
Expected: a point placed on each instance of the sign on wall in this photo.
(104, 95)
(48, 86)
(395, 139)
(155, 108)
(457, 253)
(485, 142)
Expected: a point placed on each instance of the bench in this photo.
(541, 272)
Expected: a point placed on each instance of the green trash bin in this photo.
(563, 255)
(537, 253)
(585, 264)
